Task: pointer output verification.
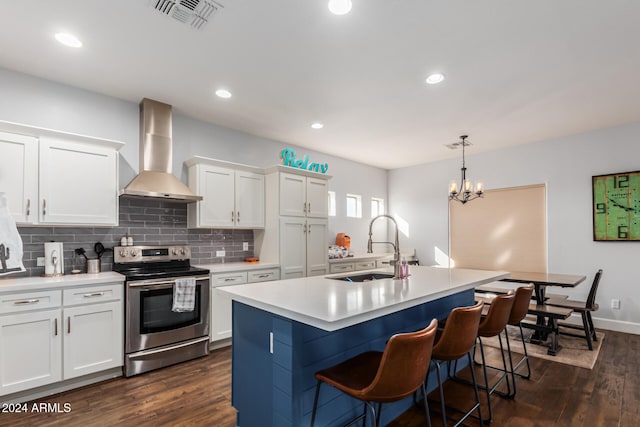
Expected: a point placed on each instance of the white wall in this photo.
(565, 165)
(37, 102)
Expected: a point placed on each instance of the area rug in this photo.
(574, 351)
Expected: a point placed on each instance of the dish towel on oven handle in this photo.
(184, 295)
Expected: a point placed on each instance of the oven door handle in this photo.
(160, 284)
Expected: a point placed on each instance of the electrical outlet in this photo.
(40, 261)
(615, 304)
(220, 253)
(245, 246)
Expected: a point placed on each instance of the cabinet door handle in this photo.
(26, 301)
(238, 216)
(304, 229)
(304, 207)
(233, 216)
(309, 207)
(55, 327)
(28, 207)
(44, 207)
(95, 294)
(69, 324)
(230, 279)
(262, 276)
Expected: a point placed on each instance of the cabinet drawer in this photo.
(365, 265)
(28, 301)
(342, 267)
(223, 279)
(264, 275)
(93, 294)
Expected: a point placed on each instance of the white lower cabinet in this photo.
(30, 350)
(92, 338)
(54, 335)
(221, 303)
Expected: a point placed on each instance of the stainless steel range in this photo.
(155, 335)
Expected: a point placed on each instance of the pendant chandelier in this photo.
(465, 192)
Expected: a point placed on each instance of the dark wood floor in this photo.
(197, 393)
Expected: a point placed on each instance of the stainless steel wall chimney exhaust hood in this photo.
(155, 179)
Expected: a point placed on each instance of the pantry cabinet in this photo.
(232, 195)
(303, 247)
(296, 232)
(56, 178)
(51, 335)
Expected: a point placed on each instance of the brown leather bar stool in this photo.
(457, 340)
(382, 377)
(519, 311)
(492, 325)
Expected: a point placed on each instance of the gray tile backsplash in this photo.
(149, 222)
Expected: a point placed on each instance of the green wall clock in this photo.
(616, 207)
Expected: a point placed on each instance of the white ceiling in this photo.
(516, 70)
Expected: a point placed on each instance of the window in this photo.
(332, 203)
(377, 207)
(354, 206)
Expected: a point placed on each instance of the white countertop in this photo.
(20, 284)
(331, 304)
(237, 266)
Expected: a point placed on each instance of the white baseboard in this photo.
(608, 324)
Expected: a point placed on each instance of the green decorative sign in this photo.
(288, 156)
(616, 207)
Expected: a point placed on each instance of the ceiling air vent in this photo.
(194, 13)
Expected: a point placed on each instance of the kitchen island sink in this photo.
(367, 277)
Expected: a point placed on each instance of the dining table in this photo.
(540, 282)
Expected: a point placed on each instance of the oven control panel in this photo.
(122, 254)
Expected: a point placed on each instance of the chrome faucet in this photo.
(396, 245)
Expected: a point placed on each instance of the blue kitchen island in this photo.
(285, 331)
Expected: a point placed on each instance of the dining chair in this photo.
(382, 377)
(456, 341)
(584, 308)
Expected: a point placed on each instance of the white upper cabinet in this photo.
(78, 183)
(303, 196)
(317, 198)
(19, 175)
(231, 198)
(249, 199)
(53, 177)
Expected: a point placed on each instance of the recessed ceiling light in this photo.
(340, 7)
(223, 93)
(68, 39)
(317, 125)
(435, 78)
